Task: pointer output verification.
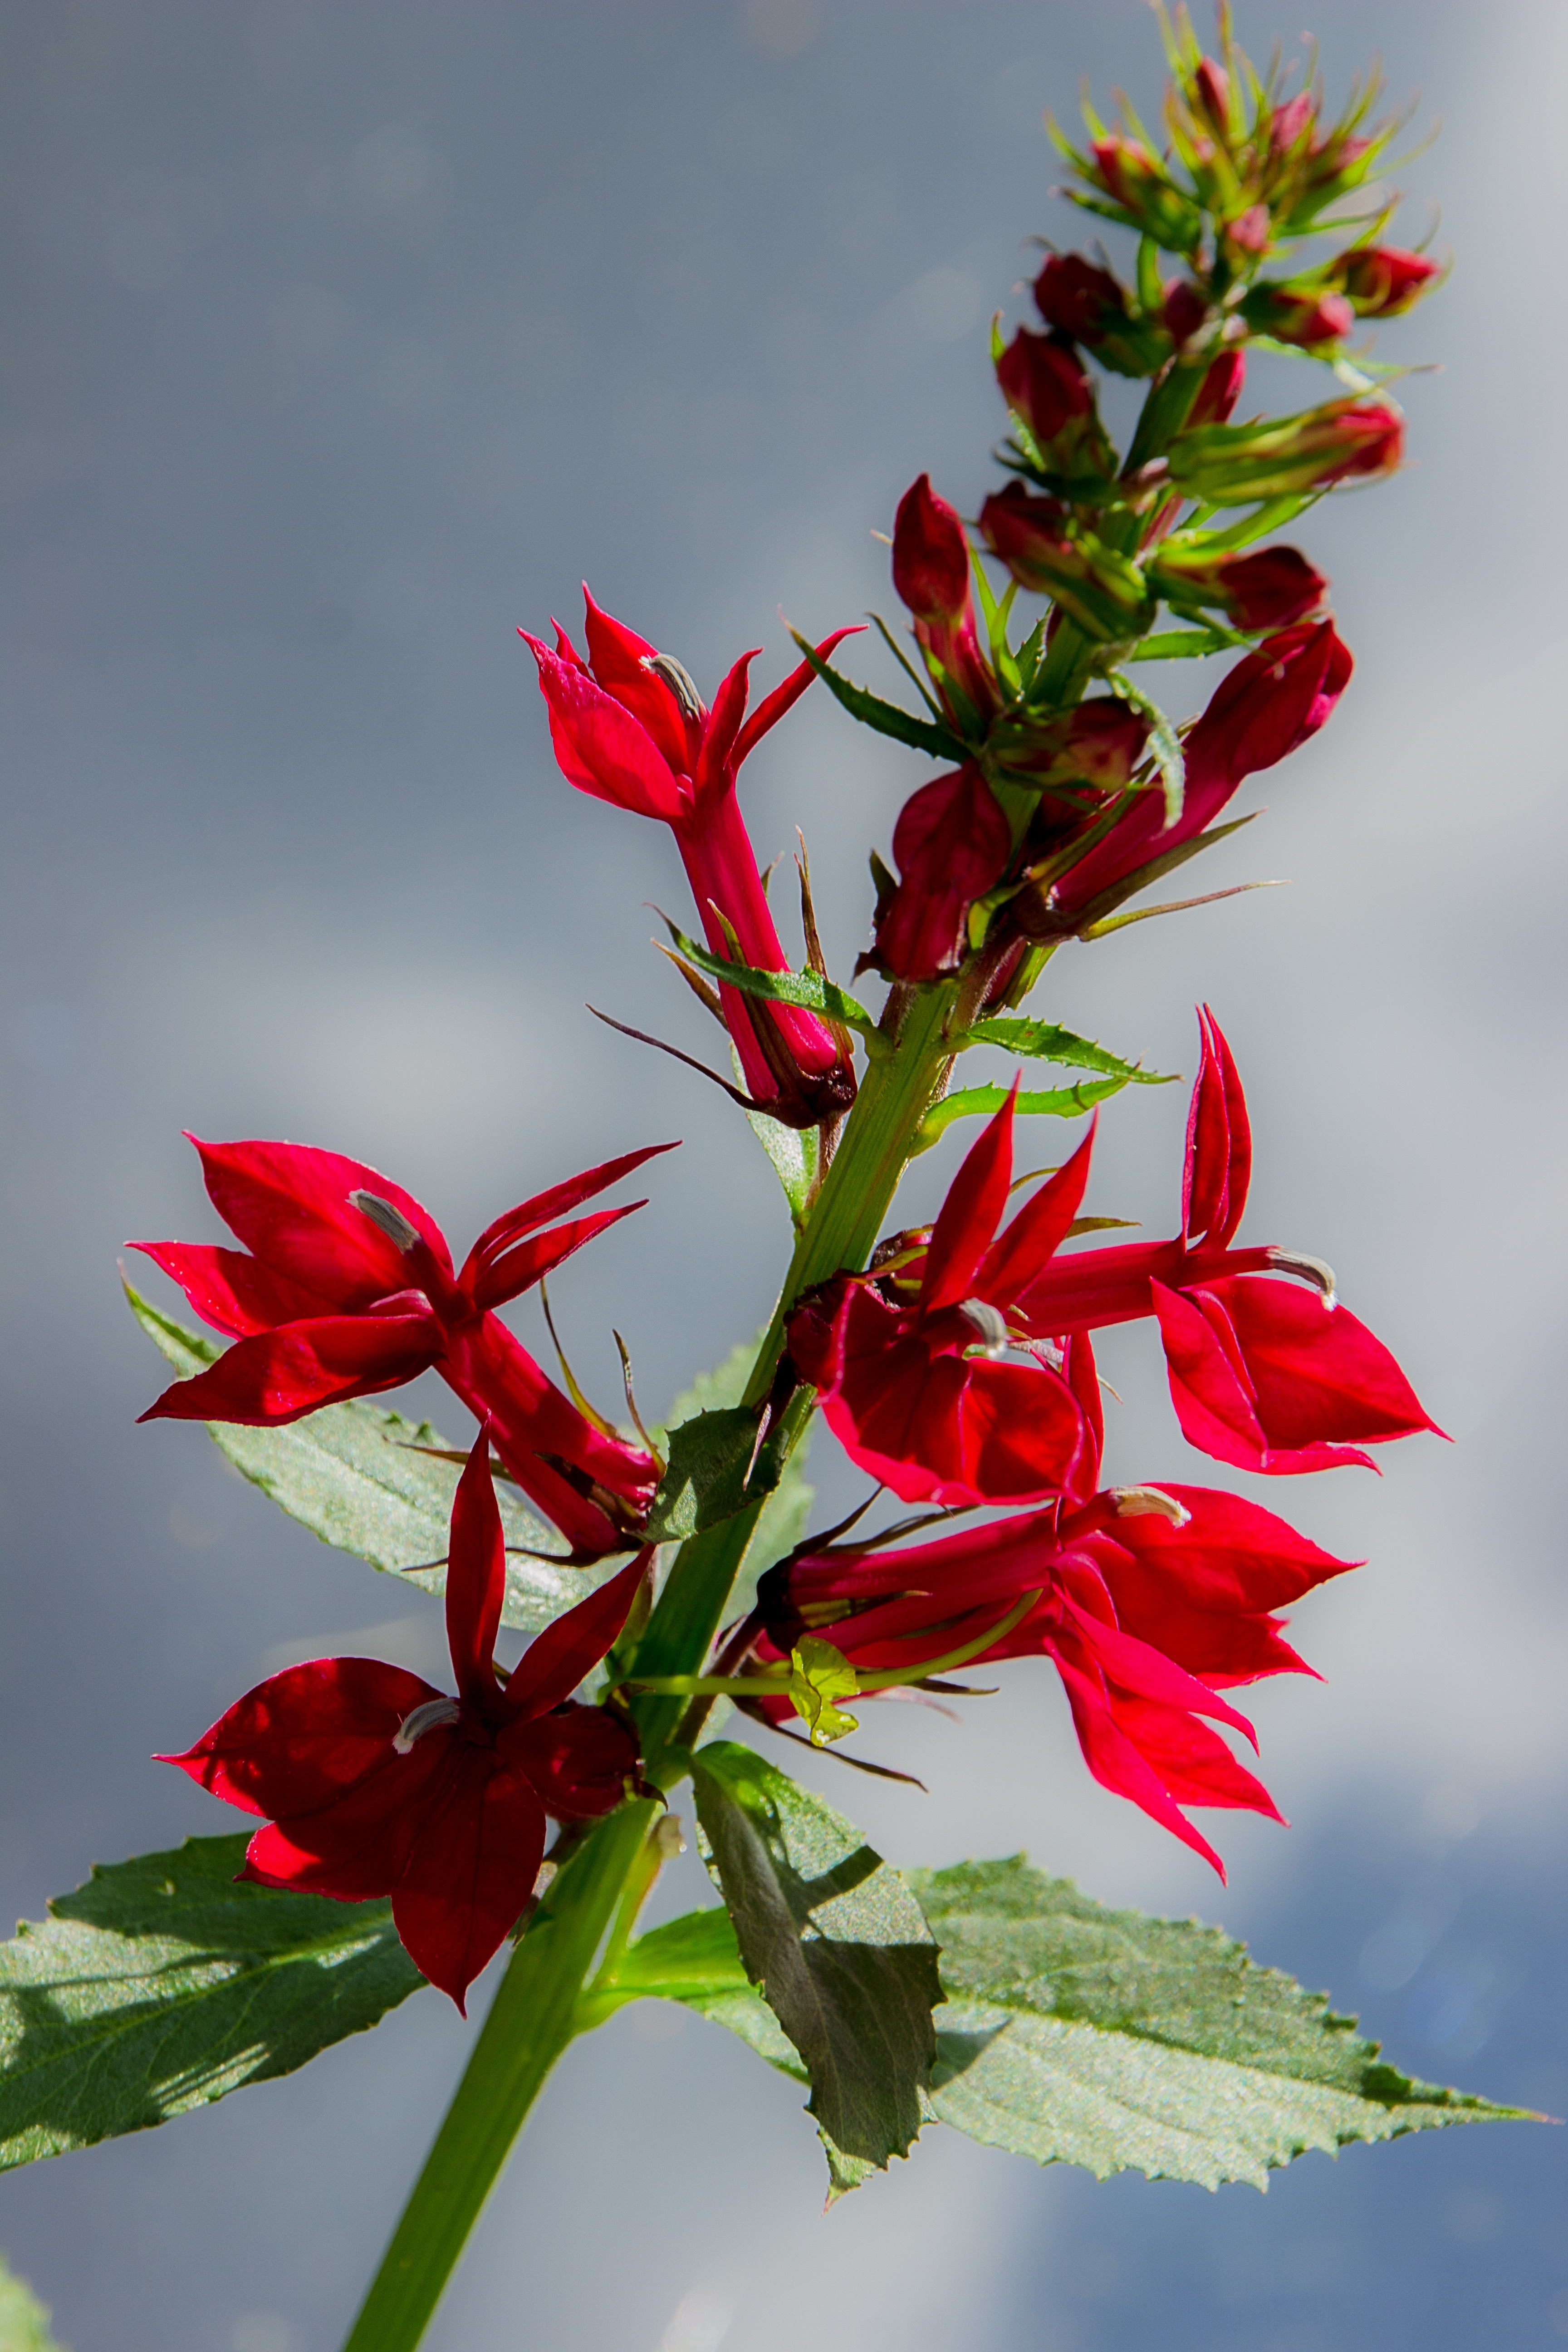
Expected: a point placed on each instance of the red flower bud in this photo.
(1054, 557)
(1285, 457)
(1220, 389)
(931, 555)
(951, 842)
(1290, 121)
(1186, 308)
(1211, 94)
(1382, 280)
(1269, 590)
(1250, 234)
(1305, 320)
(1043, 380)
(1097, 742)
(1079, 299)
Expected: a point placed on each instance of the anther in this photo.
(1149, 1503)
(424, 1718)
(992, 1326)
(679, 682)
(392, 1221)
(1312, 1269)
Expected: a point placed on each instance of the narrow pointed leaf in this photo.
(371, 1482)
(1043, 1041)
(835, 1940)
(810, 990)
(976, 1102)
(884, 717)
(710, 1474)
(1163, 741)
(162, 1984)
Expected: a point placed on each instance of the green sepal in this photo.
(1157, 867)
(1163, 741)
(1190, 644)
(369, 1483)
(976, 1102)
(884, 717)
(1044, 1041)
(163, 1984)
(835, 1941)
(809, 991)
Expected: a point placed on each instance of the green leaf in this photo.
(834, 1939)
(974, 1102)
(1081, 2035)
(369, 1483)
(1043, 1041)
(1189, 645)
(24, 2321)
(695, 1960)
(820, 1674)
(884, 717)
(809, 990)
(782, 1523)
(710, 1474)
(1163, 741)
(162, 1984)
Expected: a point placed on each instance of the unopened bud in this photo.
(1269, 589)
(1303, 316)
(1380, 281)
(1045, 550)
(931, 555)
(392, 1221)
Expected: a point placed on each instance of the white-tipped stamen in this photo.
(989, 1322)
(422, 1719)
(1312, 1269)
(1149, 1503)
(392, 1221)
(679, 682)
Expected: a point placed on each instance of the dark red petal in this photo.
(1209, 1387)
(1320, 1376)
(773, 706)
(236, 1294)
(275, 1377)
(1117, 1763)
(1021, 1253)
(555, 1660)
(529, 1216)
(302, 1738)
(290, 1204)
(601, 748)
(723, 724)
(355, 1847)
(579, 1760)
(952, 844)
(469, 1871)
(1083, 1380)
(476, 1581)
(970, 1214)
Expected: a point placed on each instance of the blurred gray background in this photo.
(343, 339)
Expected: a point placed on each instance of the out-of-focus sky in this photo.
(339, 340)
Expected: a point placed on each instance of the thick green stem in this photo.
(529, 2023)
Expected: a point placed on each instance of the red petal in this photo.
(1218, 1166)
(601, 748)
(555, 1660)
(773, 706)
(951, 842)
(579, 1760)
(476, 1581)
(356, 1847)
(1021, 1253)
(279, 1375)
(1193, 1761)
(1118, 1765)
(1136, 1666)
(1084, 1382)
(304, 1737)
(290, 1204)
(620, 659)
(1230, 1556)
(529, 1216)
(970, 1215)
(713, 772)
(236, 1294)
(1209, 1386)
(470, 1870)
(1320, 1376)
(517, 1270)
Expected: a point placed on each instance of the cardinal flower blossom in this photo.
(350, 1289)
(629, 726)
(1148, 1601)
(372, 1782)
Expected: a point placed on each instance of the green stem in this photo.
(529, 2023)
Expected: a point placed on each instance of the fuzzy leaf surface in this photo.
(371, 1482)
(162, 1984)
(781, 1522)
(835, 1941)
(811, 990)
(1044, 1041)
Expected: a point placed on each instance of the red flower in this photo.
(1383, 281)
(1263, 1375)
(1150, 1601)
(629, 728)
(909, 1367)
(951, 842)
(930, 573)
(1262, 710)
(1272, 588)
(350, 1290)
(374, 1782)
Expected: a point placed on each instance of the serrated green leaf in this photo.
(810, 990)
(1189, 645)
(1078, 2034)
(976, 1102)
(369, 1483)
(834, 1939)
(162, 1984)
(884, 717)
(1044, 1041)
(24, 2321)
(710, 1474)
(781, 1522)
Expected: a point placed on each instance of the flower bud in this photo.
(1077, 299)
(1186, 308)
(1267, 705)
(931, 555)
(1099, 743)
(1131, 177)
(1301, 318)
(1047, 552)
(1380, 281)
(1220, 389)
(952, 844)
(1250, 232)
(1209, 97)
(1289, 456)
(1270, 589)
